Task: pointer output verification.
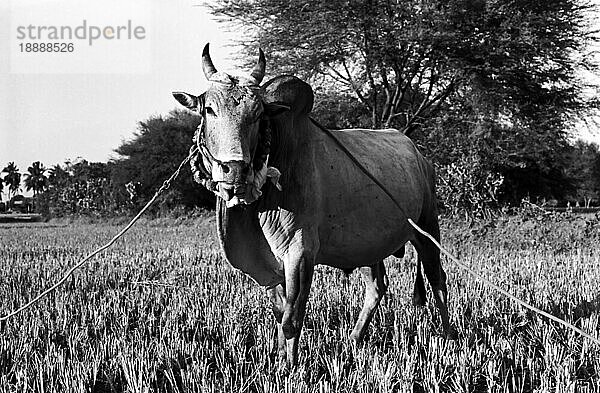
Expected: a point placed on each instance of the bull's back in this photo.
(359, 223)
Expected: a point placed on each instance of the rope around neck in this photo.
(446, 252)
(166, 184)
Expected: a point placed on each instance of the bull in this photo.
(290, 199)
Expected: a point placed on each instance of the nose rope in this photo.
(200, 141)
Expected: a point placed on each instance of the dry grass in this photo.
(162, 311)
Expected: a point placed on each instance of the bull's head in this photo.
(232, 110)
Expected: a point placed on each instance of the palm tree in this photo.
(35, 178)
(3, 206)
(12, 179)
(59, 177)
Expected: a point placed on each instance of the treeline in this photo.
(491, 92)
(122, 185)
(125, 184)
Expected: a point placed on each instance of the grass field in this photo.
(162, 311)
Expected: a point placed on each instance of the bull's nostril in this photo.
(225, 168)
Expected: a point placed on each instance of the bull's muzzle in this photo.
(232, 178)
(234, 172)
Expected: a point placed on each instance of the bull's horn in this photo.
(258, 72)
(207, 65)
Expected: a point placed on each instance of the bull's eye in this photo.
(210, 111)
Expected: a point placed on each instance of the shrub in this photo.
(467, 187)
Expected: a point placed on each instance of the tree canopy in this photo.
(495, 79)
(154, 153)
(403, 59)
(35, 178)
(12, 178)
(123, 185)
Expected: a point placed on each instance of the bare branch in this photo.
(355, 88)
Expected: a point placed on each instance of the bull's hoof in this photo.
(289, 330)
(356, 337)
(451, 333)
(418, 300)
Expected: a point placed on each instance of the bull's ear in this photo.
(273, 109)
(187, 100)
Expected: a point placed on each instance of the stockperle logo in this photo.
(84, 32)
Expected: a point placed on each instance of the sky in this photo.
(60, 106)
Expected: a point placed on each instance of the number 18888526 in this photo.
(44, 47)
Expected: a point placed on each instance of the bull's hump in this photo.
(290, 90)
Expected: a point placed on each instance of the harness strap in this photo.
(359, 165)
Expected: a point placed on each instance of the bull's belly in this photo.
(360, 225)
(363, 236)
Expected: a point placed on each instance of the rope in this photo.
(446, 252)
(497, 288)
(166, 184)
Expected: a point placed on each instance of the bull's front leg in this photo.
(299, 268)
(277, 296)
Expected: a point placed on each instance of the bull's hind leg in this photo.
(376, 284)
(429, 257)
(419, 294)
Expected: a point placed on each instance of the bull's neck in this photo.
(286, 137)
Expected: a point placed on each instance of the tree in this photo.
(12, 179)
(531, 160)
(58, 176)
(153, 154)
(490, 79)
(387, 55)
(35, 178)
(79, 187)
(1, 188)
(583, 170)
(338, 110)
(403, 59)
